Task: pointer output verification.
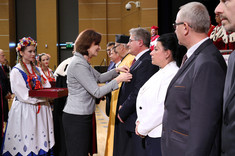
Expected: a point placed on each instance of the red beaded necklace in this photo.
(48, 74)
(31, 76)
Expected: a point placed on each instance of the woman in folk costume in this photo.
(29, 129)
(44, 60)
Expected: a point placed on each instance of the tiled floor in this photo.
(101, 125)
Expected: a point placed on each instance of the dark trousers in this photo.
(122, 143)
(138, 144)
(153, 146)
(78, 131)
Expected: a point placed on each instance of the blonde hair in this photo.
(34, 69)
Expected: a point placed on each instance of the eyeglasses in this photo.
(175, 24)
(114, 48)
(114, 52)
(130, 40)
(109, 51)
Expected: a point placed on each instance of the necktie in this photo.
(3, 69)
(133, 62)
(183, 60)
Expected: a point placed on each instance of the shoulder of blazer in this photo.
(199, 50)
(80, 59)
(146, 55)
(202, 46)
(144, 58)
(190, 60)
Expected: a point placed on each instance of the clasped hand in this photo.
(125, 75)
(123, 69)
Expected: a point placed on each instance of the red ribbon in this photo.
(48, 75)
(51, 79)
(39, 107)
(38, 85)
(29, 79)
(44, 79)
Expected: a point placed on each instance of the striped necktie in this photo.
(133, 62)
(183, 60)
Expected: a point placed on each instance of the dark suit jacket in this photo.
(193, 105)
(5, 83)
(228, 126)
(141, 71)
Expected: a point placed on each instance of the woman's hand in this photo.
(124, 77)
(8, 96)
(136, 129)
(123, 69)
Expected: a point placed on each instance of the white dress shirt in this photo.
(150, 101)
(117, 64)
(140, 54)
(194, 47)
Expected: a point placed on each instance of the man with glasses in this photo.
(126, 142)
(115, 60)
(226, 11)
(115, 57)
(193, 104)
(110, 45)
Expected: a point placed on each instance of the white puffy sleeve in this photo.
(18, 87)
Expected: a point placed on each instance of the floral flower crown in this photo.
(24, 42)
(42, 54)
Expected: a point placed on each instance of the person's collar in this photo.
(81, 56)
(194, 47)
(124, 56)
(140, 54)
(117, 64)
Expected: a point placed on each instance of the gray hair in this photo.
(141, 34)
(196, 15)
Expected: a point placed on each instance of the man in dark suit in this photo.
(226, 11)
(193, 104)
(4, 94)
(6, 89)
(1, 115)
(126, 142)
